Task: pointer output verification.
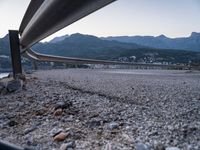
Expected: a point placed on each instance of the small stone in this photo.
(159, 146)
(108, 146)
(170, 127)
(127, 138)
(55, 131)
(62, 105)
(28, 130)
(68, 145)
(128, 128)
(61, 136)
(35, 78)
(141, 146)
(31, 142)
(68, 119)
(93, 123)
(39, 112)
(172, 148)
(20, 104)
(113, 125)
(28, 143)
(12, 123)
(189, 147)
(58, 112)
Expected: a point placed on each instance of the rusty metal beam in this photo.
(15, 52)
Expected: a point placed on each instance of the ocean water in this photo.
(3, 75)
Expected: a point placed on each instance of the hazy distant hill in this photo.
(58, 39)
(88, 46)
(191, 43)
(4, 46)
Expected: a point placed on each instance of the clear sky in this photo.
(173, 18)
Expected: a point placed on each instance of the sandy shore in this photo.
(109, 109)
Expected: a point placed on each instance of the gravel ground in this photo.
(105, 109)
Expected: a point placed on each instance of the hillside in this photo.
(191, 43)
(4, 45)
(88, 46)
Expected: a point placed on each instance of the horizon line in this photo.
(128, 35)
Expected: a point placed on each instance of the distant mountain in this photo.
(88, 46)
(191, 43)
(4, 45)
(58, 39)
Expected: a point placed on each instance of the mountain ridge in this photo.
(191, 43)
(89, 46)
(79, 45)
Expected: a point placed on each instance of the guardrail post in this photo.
(35, 66)
(15, 52)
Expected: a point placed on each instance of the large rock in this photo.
(14, 85)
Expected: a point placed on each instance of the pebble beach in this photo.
(104, 109)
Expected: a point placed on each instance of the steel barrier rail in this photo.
(54, 15)
(45, 17)
(50, 58)
(31, 10)
(8, 146)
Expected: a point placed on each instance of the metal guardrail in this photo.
(50, 58)
(9, 146)
(45, 17)
(32, 8)
(53, 15)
